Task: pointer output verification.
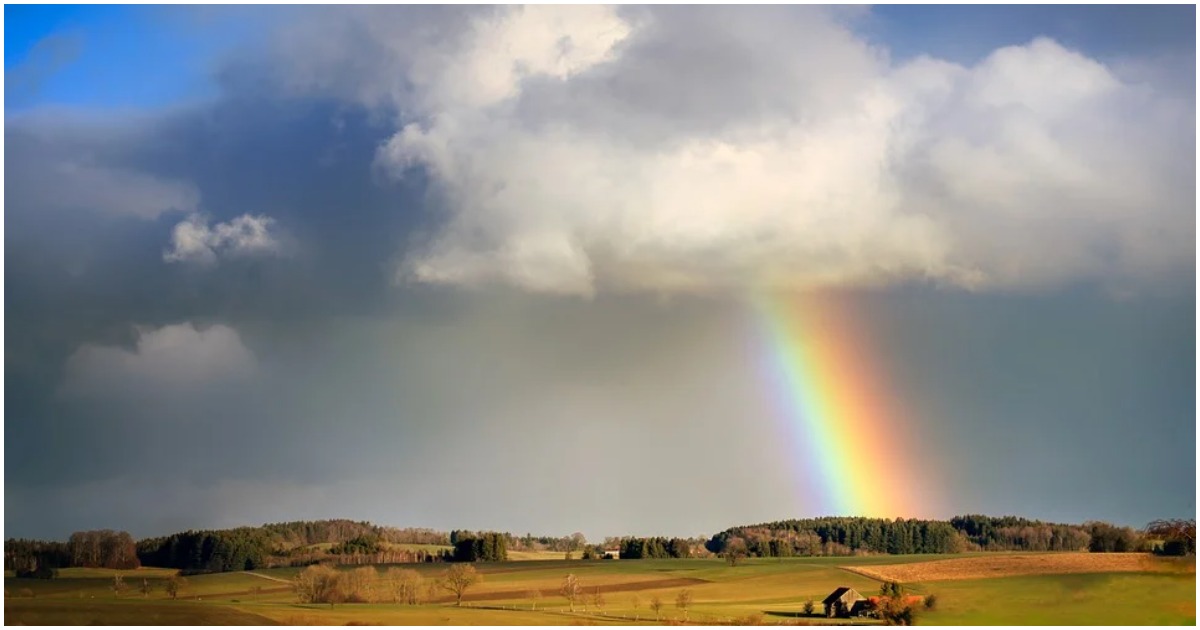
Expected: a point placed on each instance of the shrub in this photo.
(894, 607)
(41, 573)
(1174, 548)
(930, 601)
(809, 607)
(320, 584)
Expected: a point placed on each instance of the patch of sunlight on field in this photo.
(518, 556)
(126, 574)
(1089, 599)
(124, 612)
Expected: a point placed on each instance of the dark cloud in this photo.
(155, 396)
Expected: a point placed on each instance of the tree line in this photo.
(656, 547)
(295, 534)
(241, 549)
(99, 548)
(832, 536)
(297, 543)
(482, 547)
(324, 584)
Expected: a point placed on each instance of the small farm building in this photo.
(841, 602)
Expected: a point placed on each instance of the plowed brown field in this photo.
(645, 585)
(1006, 565)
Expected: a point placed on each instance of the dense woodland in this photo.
(102, 548)
(484, 547)
(638, 548)
(301, 543)
(836, 536)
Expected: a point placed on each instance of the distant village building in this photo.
(844, 602)
(611, 554)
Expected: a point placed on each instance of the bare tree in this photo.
(598, 600)
(656, 606)
(682, 601)
(534, 595)
(118, 586)
(405, 585)
(636, 603)
(570, 589)
(174, 585)
(458, 579)
(321, 584)
(145, 588)
(734, 551)
(308, 584)
(1180, 531)
(359, 584)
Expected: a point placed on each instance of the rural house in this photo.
(611, 554)
(843, 602)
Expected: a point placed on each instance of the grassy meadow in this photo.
(766, 591)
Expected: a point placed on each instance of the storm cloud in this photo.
(484, 267)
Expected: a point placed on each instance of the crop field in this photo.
(971, 589)
(1001, 565)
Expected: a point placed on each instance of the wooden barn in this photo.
(842, 602)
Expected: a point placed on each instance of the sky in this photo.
(611, 269)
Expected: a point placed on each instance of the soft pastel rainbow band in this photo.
(846, 424)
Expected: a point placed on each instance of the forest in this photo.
(840, 536)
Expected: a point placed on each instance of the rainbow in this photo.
(853, 448)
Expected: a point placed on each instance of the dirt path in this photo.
(267, 577)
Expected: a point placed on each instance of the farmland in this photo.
(1027, 589)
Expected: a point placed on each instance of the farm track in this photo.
(267, 577)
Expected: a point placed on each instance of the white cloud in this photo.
(193, 241)
(597, 148)
(164, 361)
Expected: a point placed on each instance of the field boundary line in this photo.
(267, 577)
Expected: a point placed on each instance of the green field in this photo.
(769, 591)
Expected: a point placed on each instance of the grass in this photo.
(46, 611)
(773, 590)
(519, 556)
(1077, 599)
(386, 545)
